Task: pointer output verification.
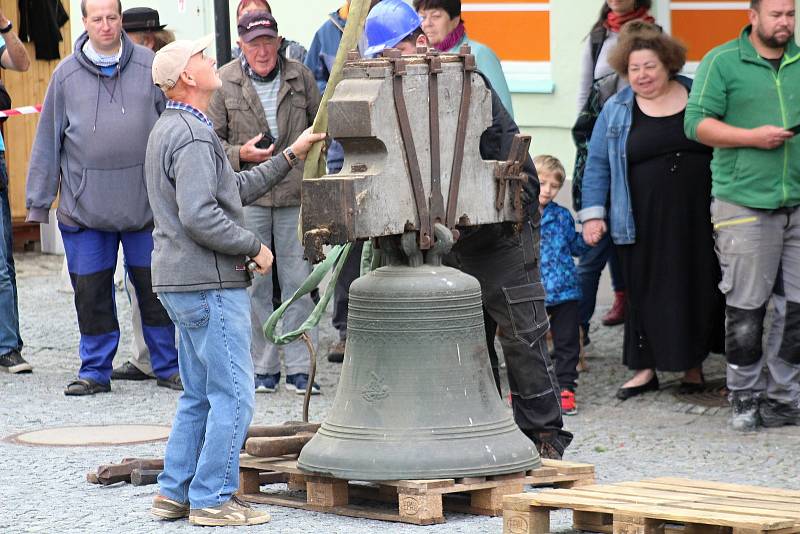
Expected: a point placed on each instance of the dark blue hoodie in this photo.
(91, 139)
(320, 59)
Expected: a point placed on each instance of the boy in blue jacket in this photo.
(560, 242)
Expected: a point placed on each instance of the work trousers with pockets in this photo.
(506, 263)
(759, 253)
(91, 258)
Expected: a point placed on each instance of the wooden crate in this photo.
(659, 506)
(421, 502)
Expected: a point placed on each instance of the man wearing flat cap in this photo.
(264, 93)
(200, 273)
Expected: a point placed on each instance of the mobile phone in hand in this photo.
(795, 129)
(266, 141)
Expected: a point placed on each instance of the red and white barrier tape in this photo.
(24, 110)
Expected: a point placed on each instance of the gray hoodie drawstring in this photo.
(96, 105)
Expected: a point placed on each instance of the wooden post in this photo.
(591, 521)
(490, 501)
(326, 492)
(637, 525)
(249, 483)
(420, 509)
(532, 521)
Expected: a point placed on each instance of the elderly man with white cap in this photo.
(200, 273)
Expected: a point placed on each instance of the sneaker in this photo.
(173, 382)
(267, 383)
(299, 382)
(128, 371)
(164, 508)
(336, 352)
(13, 362)
(744, 406)
(568, 404)
(231, 514)
(774, 413)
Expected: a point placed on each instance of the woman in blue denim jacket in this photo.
(655, 186)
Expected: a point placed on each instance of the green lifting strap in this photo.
(314, 168)
(337, 256)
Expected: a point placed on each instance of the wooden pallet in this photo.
(421, 502)
(659, 506)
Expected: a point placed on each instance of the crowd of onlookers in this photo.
(687, 188)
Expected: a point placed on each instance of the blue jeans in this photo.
(279, 226)
(201, 462)
(9, 313)
(590, 267)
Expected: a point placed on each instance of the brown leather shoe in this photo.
(616, 315)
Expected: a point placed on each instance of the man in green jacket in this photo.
(745, 103)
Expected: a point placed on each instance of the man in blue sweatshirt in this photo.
(90, 147)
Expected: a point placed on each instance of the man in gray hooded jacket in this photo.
(90, 146)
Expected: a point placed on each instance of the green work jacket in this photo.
(737, 86)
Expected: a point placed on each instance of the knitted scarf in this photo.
(99, 59)
(452, 39)
(614, 22)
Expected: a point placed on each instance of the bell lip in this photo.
(352, 474)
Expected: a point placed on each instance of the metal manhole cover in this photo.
(714, 395)
(89, 436)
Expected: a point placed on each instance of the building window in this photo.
(704, 25)
(519, 33)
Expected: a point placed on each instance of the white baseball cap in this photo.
(171, 60)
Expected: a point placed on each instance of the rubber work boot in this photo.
(774, 413)
(230, 514)
(744, 411)
(616, 315)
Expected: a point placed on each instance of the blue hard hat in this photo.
(389, 22)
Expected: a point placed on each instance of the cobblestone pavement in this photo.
(44, 488)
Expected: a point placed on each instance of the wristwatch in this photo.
(291, 157)
(7, 28)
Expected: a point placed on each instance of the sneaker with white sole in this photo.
(13, 362)
(299, 382)
(230, 514)
(267, 383)
(165, 508)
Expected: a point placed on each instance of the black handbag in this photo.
(602, 89)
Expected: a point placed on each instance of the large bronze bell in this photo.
(416, 397)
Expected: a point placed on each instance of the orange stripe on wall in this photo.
(702, 30)
(512, 35)
(504, 1)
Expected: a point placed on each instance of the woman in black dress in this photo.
(659, 183)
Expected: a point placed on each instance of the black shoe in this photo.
(774, 414)
(128, 371)
(336, 352)
(627, 393)
(13, 362)
(85, 386)
(173, 382)
(691, 388)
